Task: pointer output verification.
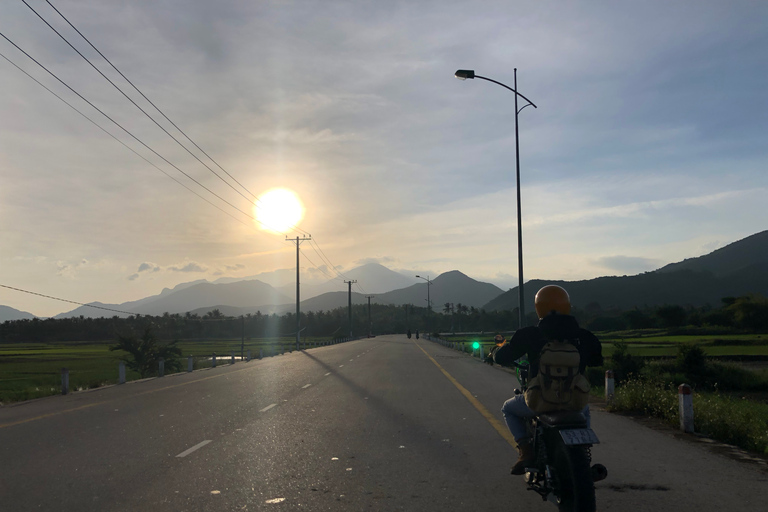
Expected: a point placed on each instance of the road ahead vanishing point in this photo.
(385, 424)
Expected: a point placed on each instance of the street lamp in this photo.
(463, 74)
(429, 303)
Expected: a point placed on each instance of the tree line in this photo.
(744, 313)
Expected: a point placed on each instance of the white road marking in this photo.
(327, 374)
(194, 448)
(341, 366)
(351, 360)
(305, 386)
(275, 500)
(267, 408)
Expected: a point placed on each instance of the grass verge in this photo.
(740, 422)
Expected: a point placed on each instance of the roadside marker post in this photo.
(260, 356)
(121, 372)
(190, 363)
(609, 386)
(64, 381)
(233, 358)
(161, 367)
(248, 360)
(214, 360)
(685, 401)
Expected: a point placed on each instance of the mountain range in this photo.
(736, 269)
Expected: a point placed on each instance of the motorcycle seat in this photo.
(575, 418)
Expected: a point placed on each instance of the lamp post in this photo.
(463, 74)
(429, 303)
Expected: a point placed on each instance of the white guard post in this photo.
(685, 400)
(609, 383)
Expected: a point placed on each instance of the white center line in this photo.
(327, 374)
(267, 408)
(305, 386)
(196, 447)
(341, 366)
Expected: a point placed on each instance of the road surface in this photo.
(384, 424)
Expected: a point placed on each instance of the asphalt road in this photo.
(374, 424)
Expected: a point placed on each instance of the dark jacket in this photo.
(530, 340)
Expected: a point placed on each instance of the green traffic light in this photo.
(475, 345)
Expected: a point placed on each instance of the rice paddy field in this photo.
(33, 370)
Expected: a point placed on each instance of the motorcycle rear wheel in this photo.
(575, 486)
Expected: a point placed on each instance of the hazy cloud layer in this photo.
(629, 264)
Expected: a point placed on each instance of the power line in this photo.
(66, 300)
(120, 126)
(150, 102)
(145, 97)
(97, 125)
(130, 99)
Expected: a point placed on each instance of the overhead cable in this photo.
(120, 126)
(97, 125)
(253, 196)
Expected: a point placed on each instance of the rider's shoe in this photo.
(526, 457)
(599, 472)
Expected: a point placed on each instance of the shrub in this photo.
(653, 398)
(624, 364)
(724, 419)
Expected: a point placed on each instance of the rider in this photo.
(553, 307)
(500, 341)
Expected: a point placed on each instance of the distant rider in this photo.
(553, 306)
(499, 340)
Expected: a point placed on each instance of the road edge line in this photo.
(495, 423)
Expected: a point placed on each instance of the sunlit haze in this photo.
(647, 146)
(278, 210)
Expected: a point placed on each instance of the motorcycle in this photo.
(562, 471)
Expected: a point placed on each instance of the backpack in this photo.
(558, 386)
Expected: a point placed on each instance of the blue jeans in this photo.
(515, 413)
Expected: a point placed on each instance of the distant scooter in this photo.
(409, 334)
(417, 334)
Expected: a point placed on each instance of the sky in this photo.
(647, 145)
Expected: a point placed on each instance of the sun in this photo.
(278, 210)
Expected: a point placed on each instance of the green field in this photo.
(33, 370)
(660, 344)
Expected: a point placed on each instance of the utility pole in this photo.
(242, 341)
(298, 241)
(429, 302)
(370, 325)
(350, 305)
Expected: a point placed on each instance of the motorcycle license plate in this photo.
(577, 436)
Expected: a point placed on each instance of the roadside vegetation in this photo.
(33, 370)
(730, 400)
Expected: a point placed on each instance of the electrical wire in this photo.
(133, 102)
(66, 300)
(145, 97)
(253, 196)
(97, 125)
(120, 126)
(110, 309)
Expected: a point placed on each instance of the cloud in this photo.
(188, 267)
(234, 268)
(629, 264)
(147, 266)
(380, 260)
(66, 269)
(133, 277)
